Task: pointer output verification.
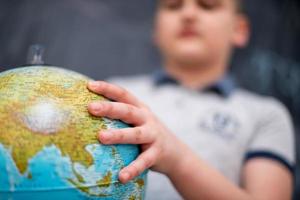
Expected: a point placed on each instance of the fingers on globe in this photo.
(113, 92)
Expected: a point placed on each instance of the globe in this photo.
(48, 140)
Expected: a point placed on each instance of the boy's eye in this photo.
(171, 4)
(209, 4)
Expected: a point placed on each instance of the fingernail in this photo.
(93, 84)
(104, 135)
(95, 106)
(125, 176)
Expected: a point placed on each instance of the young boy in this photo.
(195, 127)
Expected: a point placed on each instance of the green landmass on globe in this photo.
(44, 109)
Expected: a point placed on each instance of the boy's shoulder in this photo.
(263, 104)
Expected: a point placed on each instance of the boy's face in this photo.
(193, 31)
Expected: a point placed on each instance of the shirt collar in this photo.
(224, 87)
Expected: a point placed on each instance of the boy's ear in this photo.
(242, 32)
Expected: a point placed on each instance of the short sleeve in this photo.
(273, 136)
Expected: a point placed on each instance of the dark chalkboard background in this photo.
(101, 38)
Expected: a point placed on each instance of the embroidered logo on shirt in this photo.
(220, 123)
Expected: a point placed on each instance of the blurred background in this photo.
(103, 38)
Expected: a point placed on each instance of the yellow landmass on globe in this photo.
(67, 124)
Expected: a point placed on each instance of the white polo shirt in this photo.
(224, 125)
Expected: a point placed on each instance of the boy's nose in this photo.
(189, 11)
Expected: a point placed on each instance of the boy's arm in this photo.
(262, 179)
(163, 152)
(267, 179)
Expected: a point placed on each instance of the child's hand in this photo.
(160, 148)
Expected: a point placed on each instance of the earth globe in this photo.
(48, 140)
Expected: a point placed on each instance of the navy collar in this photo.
(223, 87)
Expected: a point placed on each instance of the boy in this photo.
(210, 139)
